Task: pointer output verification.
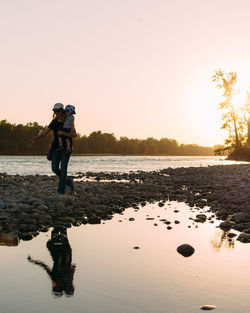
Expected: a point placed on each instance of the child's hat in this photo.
(70, 108)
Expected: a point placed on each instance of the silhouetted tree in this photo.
(232, 121)
(246, 113)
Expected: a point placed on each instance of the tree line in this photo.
(14, 138)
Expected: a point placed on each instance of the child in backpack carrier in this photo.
(67, 126)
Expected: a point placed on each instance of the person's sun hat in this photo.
(58, 106)
(70, 108)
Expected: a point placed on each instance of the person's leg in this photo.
(60, 146)
(63, 173)
(68, 150)
(70, 183)
(67, 143)
(60, 140)
(56, 158)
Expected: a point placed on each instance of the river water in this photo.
(30, 165)
(95, 268)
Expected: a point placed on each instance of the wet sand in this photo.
(29, 204)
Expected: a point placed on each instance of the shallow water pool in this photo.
(99, 270)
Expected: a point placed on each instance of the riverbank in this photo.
(28, 204)
(241, 154)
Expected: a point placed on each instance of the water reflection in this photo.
(221, 239)
(62, 272)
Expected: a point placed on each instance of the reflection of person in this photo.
(63, 271)
(59, 160)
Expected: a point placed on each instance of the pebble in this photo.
(201, 217)
(226, 226)
(231, 235)
(186, 250)
(207, 307)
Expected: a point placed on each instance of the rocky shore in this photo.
(29, 204)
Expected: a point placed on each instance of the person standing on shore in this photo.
(59, 159)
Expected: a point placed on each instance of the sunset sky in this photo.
(135, 68)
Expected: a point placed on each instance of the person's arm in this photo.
(41, 264)
(72, 132)
(43, 134)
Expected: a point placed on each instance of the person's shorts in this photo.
(66, 130)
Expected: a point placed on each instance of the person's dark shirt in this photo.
(56, 126)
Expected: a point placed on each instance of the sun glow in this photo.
(239, 99)
(242, 86)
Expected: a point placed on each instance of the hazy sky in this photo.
(136, 68)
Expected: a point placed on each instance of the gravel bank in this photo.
(28, 204)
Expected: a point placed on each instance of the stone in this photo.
(4, 216)
(185, 250)
(9, 239)
(241, 217)
(42, 207)
(207, 307)
(23, 227)
(245, 238)
(23, 217)
(226, 226)
(94, 220)
(26, 236)
(43, 229)
(2, 205)
(201, 217)
(231, 235)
